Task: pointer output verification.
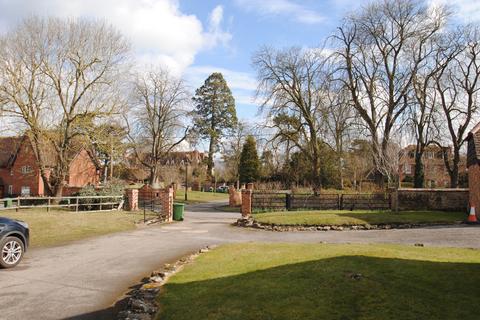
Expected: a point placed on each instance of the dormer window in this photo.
(26, 169)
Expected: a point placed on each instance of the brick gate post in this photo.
(132, 199)
(247, 200)
(166, 202)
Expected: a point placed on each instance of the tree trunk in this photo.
(419, 174)
(454, 171)
(59, 190)
(153, 179)
(111, 167)
(210, 157)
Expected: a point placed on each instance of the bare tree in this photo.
(381, 49)
(232, 148)
(155, 124)
(59, 76)
(423, 112)
(291, 88)
(340, 119)
(458, 84)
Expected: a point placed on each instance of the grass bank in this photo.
(200, 197)
(325, 281)
(359, 217)
(59, 227)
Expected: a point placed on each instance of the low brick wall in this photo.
(402, 200)
(433, 199)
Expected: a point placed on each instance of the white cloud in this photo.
(158, 30)
(289, 8)
(216, 35)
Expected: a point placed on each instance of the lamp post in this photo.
(186, 180)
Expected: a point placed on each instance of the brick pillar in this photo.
(474, 188)
(166, 201)
(132, 199)
(246, 202)
(174, 187)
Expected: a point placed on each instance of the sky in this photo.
(193, 38)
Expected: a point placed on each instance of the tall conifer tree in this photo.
(214, 113)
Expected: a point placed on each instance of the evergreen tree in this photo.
(214, 113)
(249, 168)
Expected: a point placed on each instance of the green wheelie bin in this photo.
(178, 209)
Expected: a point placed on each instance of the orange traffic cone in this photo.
(472, 217)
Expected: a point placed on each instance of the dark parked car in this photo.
(14, 237)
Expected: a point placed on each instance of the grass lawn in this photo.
(325, 281)
(200, 197)
(59, 227)
(359, 217)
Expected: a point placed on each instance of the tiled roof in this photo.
(9, 147)
(8, 150)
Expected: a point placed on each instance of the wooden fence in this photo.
(285, 200)
(81, 203)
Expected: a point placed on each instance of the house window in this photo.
(25, 191)
(407, 168)
(26, 169)
(10, 190)
(11, 172)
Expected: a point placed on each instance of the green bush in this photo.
(90, 191)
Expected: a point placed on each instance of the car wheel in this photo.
(11, 250)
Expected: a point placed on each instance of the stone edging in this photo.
(142, 304)
(251, 223)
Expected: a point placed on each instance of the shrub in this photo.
(90, 191)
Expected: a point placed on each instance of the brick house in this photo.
(473, 165)
(436, 174)
(20, 174)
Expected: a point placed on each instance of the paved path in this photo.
(82, 280)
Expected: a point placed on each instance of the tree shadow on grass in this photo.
(347, 287)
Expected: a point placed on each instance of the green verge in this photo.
(200, 197)
(359, 217)
(325, 281)
(60, 226)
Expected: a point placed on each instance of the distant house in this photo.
(435, 171)
(20, 174)
(195, 160)
(181, 158)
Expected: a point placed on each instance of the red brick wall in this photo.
(82, 171)
(246, 208)
(18, 179)
(474, 187)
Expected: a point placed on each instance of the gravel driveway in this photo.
(83, 280)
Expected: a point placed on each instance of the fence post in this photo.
(394, 201)
(48, 204)
(76, 204)
(288, 201)
(18, 204)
